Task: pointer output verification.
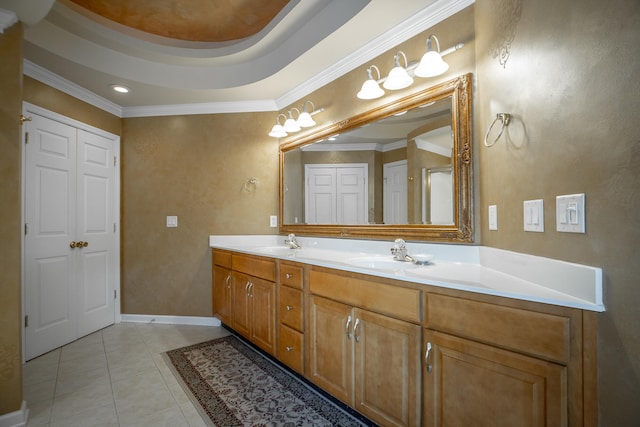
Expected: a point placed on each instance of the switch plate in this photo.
(273, 221)
(534, 215)
(493, 217)
(172, 221)
(570, 213)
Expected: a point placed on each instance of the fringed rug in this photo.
(234, 385)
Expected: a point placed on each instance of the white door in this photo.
(336, 193)
(395, 193)
(69, 198)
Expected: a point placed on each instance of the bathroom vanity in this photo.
(479, 336)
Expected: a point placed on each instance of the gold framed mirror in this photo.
(403, 169)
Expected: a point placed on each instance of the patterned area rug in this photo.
(235, 385)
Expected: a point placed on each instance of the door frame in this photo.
(27, 109)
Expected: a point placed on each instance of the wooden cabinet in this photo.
(290, 349)
(509, 366)
(368, 360)
(468, 383)
(221, 285)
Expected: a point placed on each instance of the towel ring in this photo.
(505, 118)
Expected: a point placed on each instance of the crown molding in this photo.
(7, 19)
(423, 20)
(55, 81)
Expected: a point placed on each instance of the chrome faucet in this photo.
(292, 242)
(399, 251)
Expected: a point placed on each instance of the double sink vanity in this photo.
(476, 334)
(409, 334)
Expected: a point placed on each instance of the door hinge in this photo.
(114, 160)
(26, 137)
(114, 227)
(26, 228)
(115, 294)
(26, 321)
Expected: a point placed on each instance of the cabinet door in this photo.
(476, 384)
(221, 293)
(330, 347)
(262, 296)
(387, 364)
(240, 303)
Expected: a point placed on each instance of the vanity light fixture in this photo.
(290, 125)
(431, 64)
(304, 119)
(370, 88)
(277, 131)
(398, 77)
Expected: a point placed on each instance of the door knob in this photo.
(73, 245)
(85, 244)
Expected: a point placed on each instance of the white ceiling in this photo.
(311, 43)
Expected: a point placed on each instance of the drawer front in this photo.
(221, 258)
(395, 301)
(291, 275)
(290, 348)
(254, 266)
(290, 307)
(539, 334)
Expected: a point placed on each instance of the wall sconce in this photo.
(304, 119)
(431, 64)
(370, 88)
(277, 131)
(292, 125)
(398, 77)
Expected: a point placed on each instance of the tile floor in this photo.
(114, 377)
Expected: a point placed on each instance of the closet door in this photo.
(70, 237)
(50, 217)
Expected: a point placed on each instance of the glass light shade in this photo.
(290, 125)
(370, 90)
(277, 131)
(398, 78)
(305, 120)
(431, 65)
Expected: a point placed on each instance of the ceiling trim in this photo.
(425, 19)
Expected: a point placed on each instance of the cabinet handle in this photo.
(288, 348)
(355, 329)
(226, 281)
(250, 289)
(289, 307)
(347, 328)
(288, 275)
(426, 358)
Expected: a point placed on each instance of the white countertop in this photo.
(473, 268)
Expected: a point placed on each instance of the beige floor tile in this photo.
(42, 368)
(82, 364)
(92, 396)
(99, 416)
(170, 417)
(36, 392)
(74, 381)
(39, 412)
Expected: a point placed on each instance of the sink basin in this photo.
(380, 262)
(275, 250)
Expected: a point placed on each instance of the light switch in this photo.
(273, 221)
(534, 215)
(493, 217)
(172, 221)
(570, 213)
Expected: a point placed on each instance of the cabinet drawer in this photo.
(254, 266)
(221, 258)
(290, 344)
(398, 302)
(290, 307)
(291, 275)
(539, 334)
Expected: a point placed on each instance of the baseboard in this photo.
(16, 418)
(171, 320)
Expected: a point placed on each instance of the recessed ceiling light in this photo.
(120, 88)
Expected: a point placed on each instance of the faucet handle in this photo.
(399, 243)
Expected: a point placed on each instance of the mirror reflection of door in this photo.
(336, 193)
(395, 192)
(437, 196)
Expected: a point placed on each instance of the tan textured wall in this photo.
(194, 167)
(10, 220)
(571, 79)
(44, 96)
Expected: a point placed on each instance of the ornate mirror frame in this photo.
(461, 231)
